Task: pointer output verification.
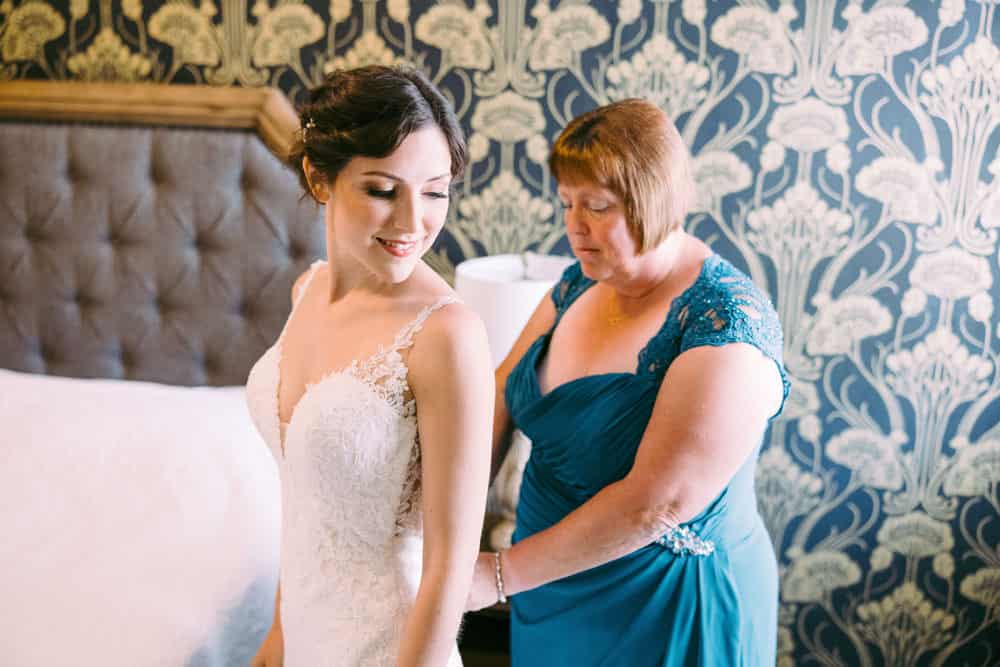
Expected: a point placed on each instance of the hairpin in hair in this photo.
(310, 124)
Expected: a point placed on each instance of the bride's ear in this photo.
(319, 186)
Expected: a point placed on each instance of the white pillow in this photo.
(139, 524)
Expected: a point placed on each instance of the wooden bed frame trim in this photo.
(266, 110)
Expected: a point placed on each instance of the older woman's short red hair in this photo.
(632, 148)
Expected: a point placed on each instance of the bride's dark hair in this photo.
(368, 112)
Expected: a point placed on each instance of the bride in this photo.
(377, 398)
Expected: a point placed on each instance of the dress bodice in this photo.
(585, 432)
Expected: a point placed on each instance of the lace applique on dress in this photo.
(386, 372)
(570, 286)
(723, 306)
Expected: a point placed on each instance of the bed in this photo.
(149, 238)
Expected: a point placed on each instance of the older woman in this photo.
(645, 383)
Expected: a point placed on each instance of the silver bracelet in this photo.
(501, 598)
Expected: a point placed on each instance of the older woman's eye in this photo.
(436, 195)
(599, 207)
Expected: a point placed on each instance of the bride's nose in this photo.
(408, 214)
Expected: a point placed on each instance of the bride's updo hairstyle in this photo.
(368, 112)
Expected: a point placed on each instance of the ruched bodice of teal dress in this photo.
(704, 595)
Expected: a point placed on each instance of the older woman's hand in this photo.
(483, 592)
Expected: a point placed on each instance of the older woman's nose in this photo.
(574, 222)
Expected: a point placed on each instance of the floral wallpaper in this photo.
(846, 158)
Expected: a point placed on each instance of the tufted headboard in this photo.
(147, 232)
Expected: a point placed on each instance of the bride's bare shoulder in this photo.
(453, 336)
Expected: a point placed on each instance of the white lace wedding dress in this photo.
(351, 536)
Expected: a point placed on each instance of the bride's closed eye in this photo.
(391, 193)
(381, 193)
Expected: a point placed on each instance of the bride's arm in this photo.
(451, 377)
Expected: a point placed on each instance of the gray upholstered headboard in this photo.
(144, 251)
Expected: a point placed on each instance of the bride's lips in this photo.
(398, 248)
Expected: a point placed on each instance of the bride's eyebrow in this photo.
(393, 177)
(382, 173)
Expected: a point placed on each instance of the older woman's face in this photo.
(596, 228)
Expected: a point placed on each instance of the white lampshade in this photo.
(504, 290)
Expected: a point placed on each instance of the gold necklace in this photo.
(612, 315)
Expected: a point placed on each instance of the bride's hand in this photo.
(483, 592)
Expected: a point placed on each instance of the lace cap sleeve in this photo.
(729, 308)
(570, 286)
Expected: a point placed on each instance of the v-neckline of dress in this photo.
(398, 341)
(541, 345)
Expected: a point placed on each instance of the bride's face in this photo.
(385, 213)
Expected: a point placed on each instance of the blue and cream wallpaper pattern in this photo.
(846, 158)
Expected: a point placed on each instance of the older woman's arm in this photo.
(710, 414)
(540, 322)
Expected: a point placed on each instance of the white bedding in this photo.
(138, 525)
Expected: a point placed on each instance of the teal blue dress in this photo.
(705, 594)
